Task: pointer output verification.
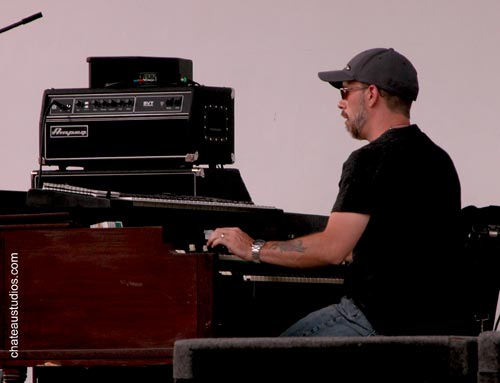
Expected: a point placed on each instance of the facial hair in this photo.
(355, 124)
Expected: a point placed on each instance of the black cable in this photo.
(495, 327)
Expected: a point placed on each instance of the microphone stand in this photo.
(23, 21)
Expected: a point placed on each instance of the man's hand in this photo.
(234, 239)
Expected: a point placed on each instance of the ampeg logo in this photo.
(78, 131)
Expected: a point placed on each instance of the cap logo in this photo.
(348, 67)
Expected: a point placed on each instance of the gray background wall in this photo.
(290, 138)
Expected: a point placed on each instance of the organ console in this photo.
(72, 295)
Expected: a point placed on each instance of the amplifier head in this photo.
(147, 128)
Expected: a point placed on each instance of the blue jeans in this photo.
(341, 319)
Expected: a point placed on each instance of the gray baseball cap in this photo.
(383, 67)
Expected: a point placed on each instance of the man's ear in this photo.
(373, 95)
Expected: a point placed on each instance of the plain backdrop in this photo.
(290, 139)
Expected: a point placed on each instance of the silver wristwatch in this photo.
(256, 246)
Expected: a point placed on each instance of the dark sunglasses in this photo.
(344, 92)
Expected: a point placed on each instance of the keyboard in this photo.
(232, 266)
(164, 200)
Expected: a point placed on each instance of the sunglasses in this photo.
(344, 92)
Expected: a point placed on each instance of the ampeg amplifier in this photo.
(146, 128)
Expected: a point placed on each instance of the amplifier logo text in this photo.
(77, 131)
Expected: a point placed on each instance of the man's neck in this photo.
(381, 126)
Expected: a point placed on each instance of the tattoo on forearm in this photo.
(295, 245)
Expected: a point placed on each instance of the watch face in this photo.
(256, 246)
(259, 242)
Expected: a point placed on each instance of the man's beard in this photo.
(355, 124)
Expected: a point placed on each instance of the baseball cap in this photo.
(383, 67)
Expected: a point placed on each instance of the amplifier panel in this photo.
(84, 140)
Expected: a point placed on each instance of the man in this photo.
(395, 219)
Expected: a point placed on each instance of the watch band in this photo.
(256, 247)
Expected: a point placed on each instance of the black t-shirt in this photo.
(406, 269)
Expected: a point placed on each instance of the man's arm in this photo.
(331, 246)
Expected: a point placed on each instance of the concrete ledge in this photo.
(335, 359)
(489, 357)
